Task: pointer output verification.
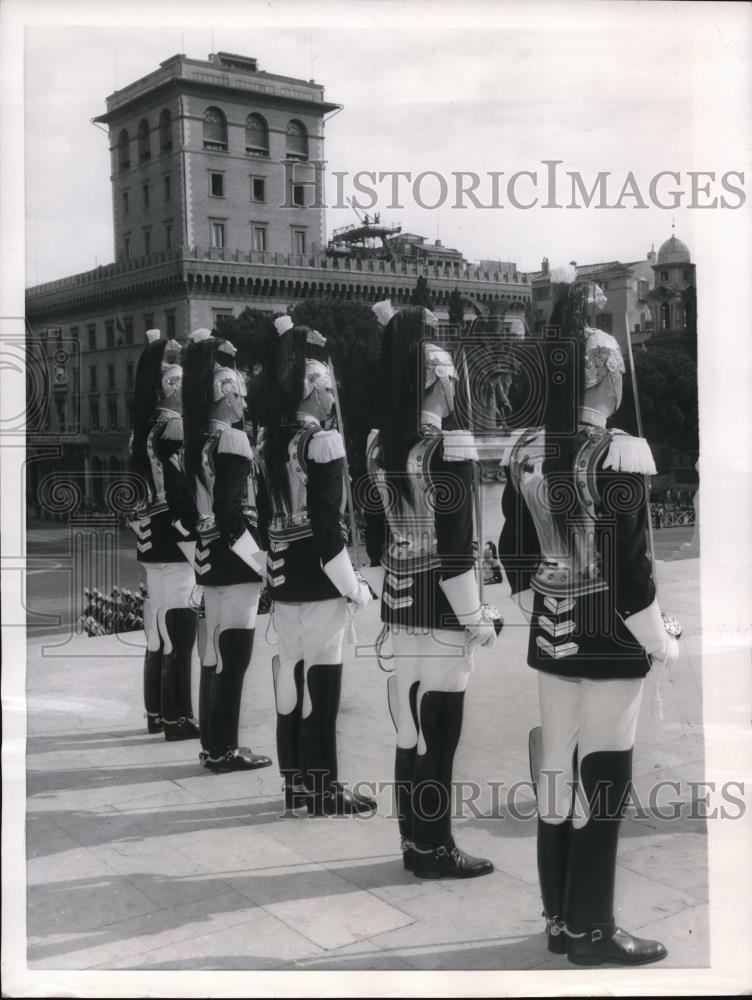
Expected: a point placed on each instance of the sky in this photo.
(614, 87)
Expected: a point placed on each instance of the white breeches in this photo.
(311, 631)
(436, 661)
(169, 585)
(591, 715)
(234, 606)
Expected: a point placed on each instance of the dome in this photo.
(673, 251)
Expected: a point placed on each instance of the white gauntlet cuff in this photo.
(648, 629)
(463, 596)
(340, 571)
(247, 550)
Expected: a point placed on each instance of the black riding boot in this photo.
(226, 687)
(177, 710)
(153, 689)
(592, 935)
(318, 748)
(436, 854)
(404, 763)
(553, 854)
(288, 754)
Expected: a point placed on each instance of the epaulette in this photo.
(173, 430)
(325, 446)
(234, 442)
(459, 446)
(629, 454)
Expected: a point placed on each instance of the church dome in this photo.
(673, 251)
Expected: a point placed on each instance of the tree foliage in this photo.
(421, 295)
(456, 309)
(667, 386)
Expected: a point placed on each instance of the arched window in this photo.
(256, 136)
(124, 150)
(165, 131)
(297, 141)
(665, 316)
(215, 129)
(144, 141)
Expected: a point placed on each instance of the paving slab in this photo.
(137, 858)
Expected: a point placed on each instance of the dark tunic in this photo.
(226, 510)
(589, 577)
(169, 502)
(425, 538)
(306, 533)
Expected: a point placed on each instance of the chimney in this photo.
(651, 253)
(438, 243)
(544, 266)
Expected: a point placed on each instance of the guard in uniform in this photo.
(229, 564)
(164, 541)
(309, 571)
(430, 599)
(575, 546)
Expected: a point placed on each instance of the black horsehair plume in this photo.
(199, 358)
(563, 387)
(284, 375)
(401, 394)
(146, 396)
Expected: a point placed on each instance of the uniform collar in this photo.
(430, 419)
(588, 415)
(307, 418)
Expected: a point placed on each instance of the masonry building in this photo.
(217, 201)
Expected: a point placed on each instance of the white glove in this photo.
(483, 634)
(360, 596)
(669, 654)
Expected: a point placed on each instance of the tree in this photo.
(456, 309)
(667, 387)
(421, 295)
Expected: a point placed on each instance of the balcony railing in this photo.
(320, 262)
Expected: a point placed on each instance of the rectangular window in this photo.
(258, 189)
(129, 374)
(91, 329)
(259, 238)
(128, 324)
(298, 195)
(218, 235)
(112, 414)
(170, 317)
(686, 275)
(148, 321)
(168, 235)
(109, 332)
(126, 207)
(110, 376)
(216, 185)
(127, 247)
(664, 275)
(166, 188)
(603, 285)
(94, 414)
(92, 376)
(147, 241)
(299, 241)
(145, 195)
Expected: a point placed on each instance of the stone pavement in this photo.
(140, 859)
